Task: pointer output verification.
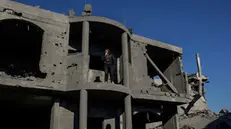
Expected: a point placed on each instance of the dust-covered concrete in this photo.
(205, 119)
(43, 52)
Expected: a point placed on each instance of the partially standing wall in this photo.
(37, 41)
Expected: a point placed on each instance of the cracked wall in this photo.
(53, 44)
(140, 79)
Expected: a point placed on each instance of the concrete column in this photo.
(44, 52)
(125, 59)
(83, 108)
(188, 87)
(85, 50)
(54, 120)
(199, 73)
(128, 112)
(61, 116)
(122, 121)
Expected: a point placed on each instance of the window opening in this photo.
(21, 43)
(75, 39)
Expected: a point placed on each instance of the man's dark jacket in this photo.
(109, 59)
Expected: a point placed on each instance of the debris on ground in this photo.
(187, 127)
(224, 111)
(206, 119)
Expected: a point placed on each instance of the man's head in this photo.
(107, 51)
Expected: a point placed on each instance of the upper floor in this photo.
(43, 49)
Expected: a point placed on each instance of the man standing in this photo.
(109, 65)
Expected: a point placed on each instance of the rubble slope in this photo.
(205, 119)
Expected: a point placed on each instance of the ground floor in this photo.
(27, 109)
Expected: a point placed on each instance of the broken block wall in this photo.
(55, 39)
(139, 69)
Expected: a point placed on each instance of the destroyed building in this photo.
(51, 73)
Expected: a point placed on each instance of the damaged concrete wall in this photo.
(139, 65)
(141, 81)
(174, 73)
(197, 101)
(54, 44)
(65, 71)
(138, 60)
(54, 52)
(74, 70)
(62, 115)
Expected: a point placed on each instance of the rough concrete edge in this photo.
(34, 10)
(161, 98)
(100, 19)
(157, 43)
(101, 86)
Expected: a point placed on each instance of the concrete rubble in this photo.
(25, 76)
(204, 119)
(54, 78)
(196, 114)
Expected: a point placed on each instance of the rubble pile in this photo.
(202, 113)
(24, 77)
(187, 127)
(206, 119)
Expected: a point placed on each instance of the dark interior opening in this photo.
(95, 123)
(129, 51)
(75, 39)
(99, 65)
(103, 36)
(20, 50)
(195, 88)
(140, 120)
(25, 113)
(161, 57)
(108, 126)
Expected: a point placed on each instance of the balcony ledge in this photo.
(101, 86)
